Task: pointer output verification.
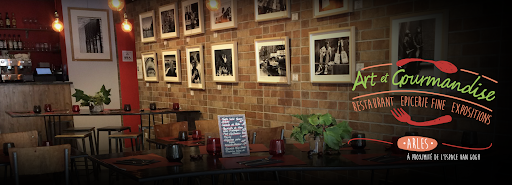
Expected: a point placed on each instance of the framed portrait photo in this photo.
(225, 16)
(147, 26)
(90, 34)
(193, 16)
(272, 60)
(324, 8)
(171, 65)
(149, 66)
(422, 36)
(225, 62)
(265, 10)
(195, 67)
(332, 55)
(169, 27)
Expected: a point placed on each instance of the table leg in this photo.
(52, 129)
(46, 129)
(214, 180)
(149, 131)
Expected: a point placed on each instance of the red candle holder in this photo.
(76, 108)
(176, 106)
(213, 146)
(276, 147)
(47, 107)
(196, 134)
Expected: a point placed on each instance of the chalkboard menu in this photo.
(233, 135)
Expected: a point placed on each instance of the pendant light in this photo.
(126, 26)
(213, 5)
(57, 25)
(116, 5)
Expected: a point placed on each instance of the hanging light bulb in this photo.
(116, 5)
(57, 25)
(126, 26)
(212, 5)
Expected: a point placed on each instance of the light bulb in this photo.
(126, 26)
(116, 5)
(213, 5)
(57, 25)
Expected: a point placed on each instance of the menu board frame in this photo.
(244, 132)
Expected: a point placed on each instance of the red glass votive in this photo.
(196, 134)
(176, 106)
(47, 107)
(76, 108)
(213, 146)
(276, 147)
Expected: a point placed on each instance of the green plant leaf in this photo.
(314, 120)
(332, 137)
(325, 119)
(297, 135)
(106, 95)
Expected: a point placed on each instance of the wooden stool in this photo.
(129, 135)
(109, 129)
(84, 129)
(81, 135)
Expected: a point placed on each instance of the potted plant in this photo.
(95, 102)
(323, 131)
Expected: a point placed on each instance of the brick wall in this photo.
(473, 43)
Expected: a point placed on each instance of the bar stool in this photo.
(129, 135)
(109, 129)
(84, 129)
(81, 135)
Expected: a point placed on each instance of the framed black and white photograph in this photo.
(147, 26)
(225, 16)
(90, 34)
(149, 65)
(332, 55)
(171, 65)
(272, 60)
(265, 10)
(169, 27)
(225, 60)
(420, 36)
(324, 8)
(195, 67)
(193, 16)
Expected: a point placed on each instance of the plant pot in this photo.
(96, 108)
(316, 144)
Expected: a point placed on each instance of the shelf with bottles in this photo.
(30, 29)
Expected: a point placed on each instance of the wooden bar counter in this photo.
(24, 96)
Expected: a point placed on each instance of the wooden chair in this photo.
(171, 129)
(265, 135)
(21, 139)
(40, 160)
(208, 128)
(119, 138)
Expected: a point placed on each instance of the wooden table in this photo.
(50, 118)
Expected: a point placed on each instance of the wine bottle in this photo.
(20, 44)
(10, 43)
(14, 43)
(7, 21)
(1, 43)
(1, 21)
(5, 42)
(13, 22)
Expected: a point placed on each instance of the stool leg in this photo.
(117, 147)
(85, 161)
(131, 141)
(97, 141)
(110, 143)
(121, 144)
(94, 166)
(96, 148)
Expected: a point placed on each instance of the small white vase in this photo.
(96, 108)
(316, 144)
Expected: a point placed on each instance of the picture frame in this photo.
(193, 16)
(325, 8)
(332, 55)
(147, 26)
(84, 22)
(265, 10)
(225, 17)
(150, 66)
(171, 68)
(169, 22)
(429, 31)
(272, 60)
(195, 67)
(225, 62)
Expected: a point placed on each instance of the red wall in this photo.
(128, 77)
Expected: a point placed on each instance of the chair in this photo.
(208, 128)
(82, 136)
(40, 160)
(109, 129)
(129, 135)
(84, 129)
(20, 140)
(265, 135)
(171, 129)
